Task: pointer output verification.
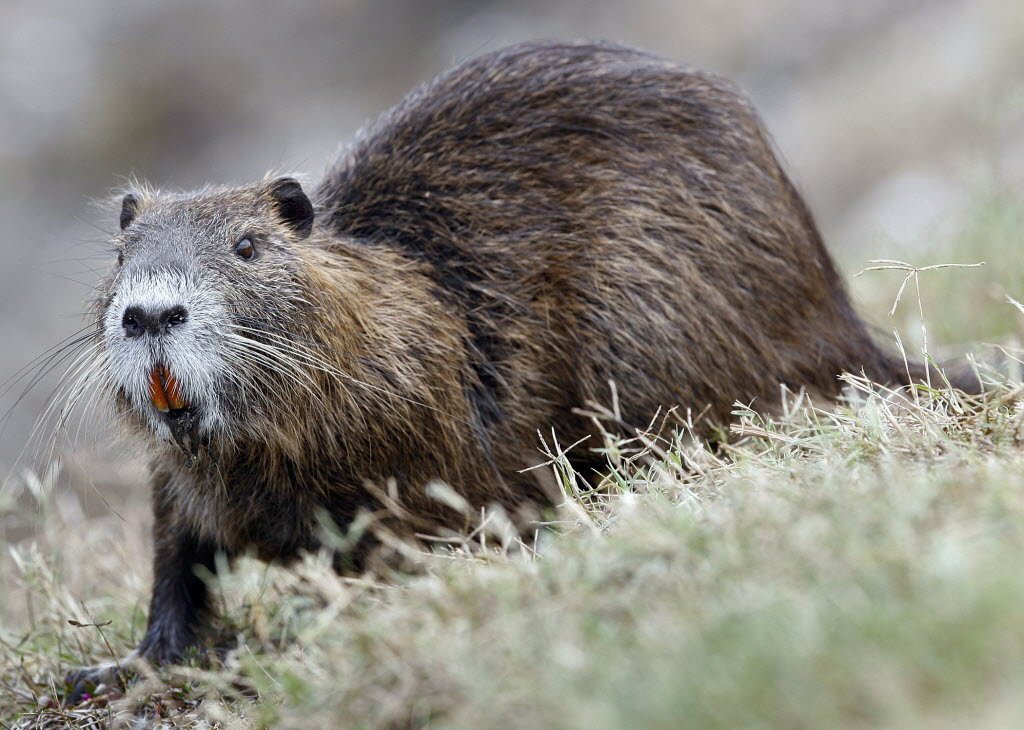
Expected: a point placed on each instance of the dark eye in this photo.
(120, 257)
(245, 249)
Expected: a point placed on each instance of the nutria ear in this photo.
(129, 207)
(292, 205)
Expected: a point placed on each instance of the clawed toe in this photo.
(84, 684)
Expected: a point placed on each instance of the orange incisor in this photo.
(164, 390)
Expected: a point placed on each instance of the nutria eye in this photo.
(120, 258)
(245, 249)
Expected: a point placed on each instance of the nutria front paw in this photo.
(83, 684)
(156, 649)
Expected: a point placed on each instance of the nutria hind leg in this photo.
(590, 465)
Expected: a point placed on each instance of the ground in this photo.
(834, 566)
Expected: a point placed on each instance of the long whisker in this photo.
(82, 365)
(42, 366)
(276, 361)
(69, 341)
(312, 359)
(295, 358)
(70, 381)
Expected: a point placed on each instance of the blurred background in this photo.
(901, 120)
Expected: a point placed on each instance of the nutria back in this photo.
(595, 213)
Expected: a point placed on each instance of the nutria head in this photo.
(197, 317)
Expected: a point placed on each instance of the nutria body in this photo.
(484, 260)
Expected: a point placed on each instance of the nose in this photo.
(138, 320)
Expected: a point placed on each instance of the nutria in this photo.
(481, 263)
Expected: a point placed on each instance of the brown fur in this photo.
(485, 259)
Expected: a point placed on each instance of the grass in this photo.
(962, 307)
(834, 566)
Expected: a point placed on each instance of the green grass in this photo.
(850, 566)
(962, 307)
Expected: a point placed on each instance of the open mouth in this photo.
(182, 418)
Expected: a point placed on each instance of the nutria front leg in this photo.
(179, 600)
(179, 597)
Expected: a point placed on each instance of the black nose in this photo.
(137, 320)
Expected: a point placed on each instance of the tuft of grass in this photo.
(962, 308)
